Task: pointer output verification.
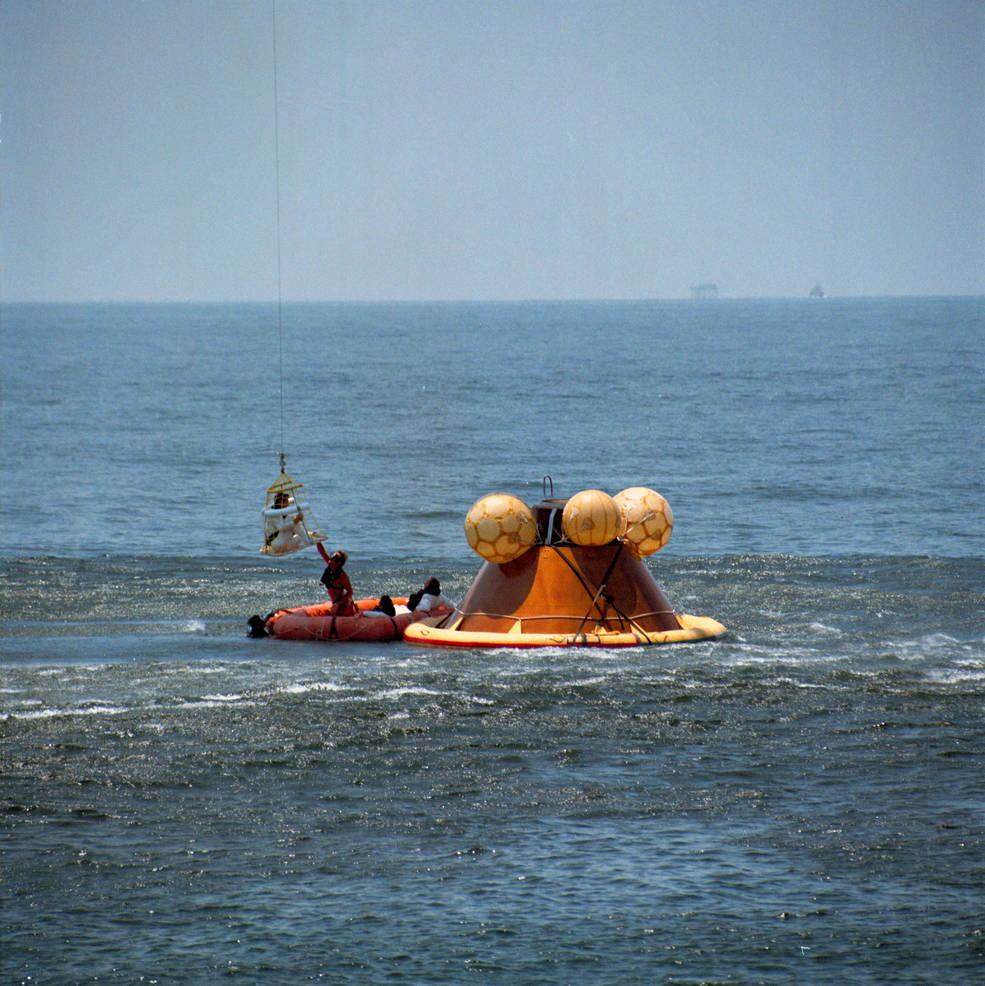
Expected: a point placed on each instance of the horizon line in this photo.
(476, 301)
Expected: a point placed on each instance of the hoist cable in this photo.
(280, 303)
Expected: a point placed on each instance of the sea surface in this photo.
(801, 801)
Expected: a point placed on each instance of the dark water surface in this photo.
(799, 802)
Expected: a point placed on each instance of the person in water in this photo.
(337, 582)
(429, 597)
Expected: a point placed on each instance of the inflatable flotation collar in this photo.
(430, 631)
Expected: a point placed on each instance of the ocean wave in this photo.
(406, 691)
(957, 676)
(213, 703)
(305, 688)
(819, 627)
(58, 712)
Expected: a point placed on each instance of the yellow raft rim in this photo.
(693, 628)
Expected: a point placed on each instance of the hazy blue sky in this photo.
(456, 150)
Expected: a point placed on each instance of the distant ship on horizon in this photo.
(706, 290)
(817, 291)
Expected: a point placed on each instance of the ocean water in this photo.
(801, 801)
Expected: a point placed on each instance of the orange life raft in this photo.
(317, 623)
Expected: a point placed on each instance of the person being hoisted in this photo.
(282, 525)
(337, 582)
(288, 524)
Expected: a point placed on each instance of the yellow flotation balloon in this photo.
(591, 518)
(647, 518)
(500, 527)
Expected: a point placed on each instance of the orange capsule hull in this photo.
(564, 595)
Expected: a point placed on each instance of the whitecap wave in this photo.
(406, 690)
(307, 687)
(58, 712)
